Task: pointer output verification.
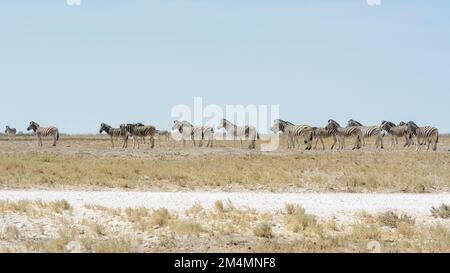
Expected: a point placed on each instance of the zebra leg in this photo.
(54, 140)
(152, 142)
(334, 142)
(112, 142)
(40, 141)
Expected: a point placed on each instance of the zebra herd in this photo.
(410, 131)
(426, 135)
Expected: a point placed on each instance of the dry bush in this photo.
(160, 217)
(443, 211)
(299, 220)
(392, 219)
(263, 230)
(186, 227)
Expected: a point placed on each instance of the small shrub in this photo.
(218, 205)
(160, 217)
(290, 208)
(443, 211)
(391, 219)
(263, 230)
(186, 227)
(300, 220)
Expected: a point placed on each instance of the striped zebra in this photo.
(320, 134)
(163, 134)
(240, 132)
(294, 132)
(114, 133)
(396, 131)
(369, 131)
(137, 131)
(342, 133)
(10, 132)
(44, 132)
(283, 126)
(191, 132)
(425, 135)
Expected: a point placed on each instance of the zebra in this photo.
(396, 131)
(342, 133)
(240, 132)
(283, 126)
(139, 130)
(320, 134)
(114, 133)
(44, 132)
(294, 132)
(369, 131)
(428, 134)
(127, 127)
(165, 134)
(10, 132)
(189, 131)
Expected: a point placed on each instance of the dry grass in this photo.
(443, 211)
(263, 230)
(83, 165)
(96, 229)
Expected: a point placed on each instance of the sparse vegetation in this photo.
(263, 230)
(443, 211)
(393, 220)
(90, 164)
(100, 229)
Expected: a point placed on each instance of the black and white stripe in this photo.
(342, 133)
(139, 130)
(191, 132)
(294, 132)
(44, 132)
(369, 131)
(10, 132)
(114, 133)
(320, 134)
(246, 132)
(425, 135)
(396, 131)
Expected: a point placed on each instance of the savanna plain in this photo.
(87, 164)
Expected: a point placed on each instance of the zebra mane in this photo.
(401, 123)
(284, 122)
(412, 124)
(332, 121)
(352, 122)
(187, 123)
(388, 123)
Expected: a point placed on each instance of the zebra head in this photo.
(412, 128)
(104, 127)
(33, 126)
(279, 125)
(352, 122)
(332, 125)
(177, 125)
(222, 124)
(387, 125)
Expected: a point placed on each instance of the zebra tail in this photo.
(257, 136)
(57, 135)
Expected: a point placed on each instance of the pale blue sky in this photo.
(132, 60)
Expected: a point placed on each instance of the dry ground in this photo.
(88, 163)
(58, 227)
